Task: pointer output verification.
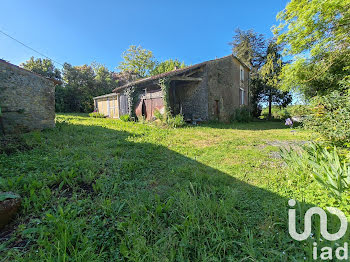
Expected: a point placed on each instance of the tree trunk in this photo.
(270, 105)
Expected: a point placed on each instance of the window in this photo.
(241, 96)
(241, 73)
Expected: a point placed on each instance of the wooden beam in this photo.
(181, 78)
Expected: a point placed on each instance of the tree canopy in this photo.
(167, 66)
(265, 59)
(138, 60)
(316, 34)
(43, 67)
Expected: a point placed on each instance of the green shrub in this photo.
(97, 115)
(282, 113)
(241, 114)
(169, 120)
(276, 113)
(328, 167)
(158, 115)
(176, 121)
(330, 117)
(125, 118)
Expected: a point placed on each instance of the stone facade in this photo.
(27, 100)
(218, 94)
(224, 85)
(211, 90)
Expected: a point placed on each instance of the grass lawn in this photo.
(106, 190)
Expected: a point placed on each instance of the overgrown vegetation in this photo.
(97, 189)
(10, 144)
(96, 115)
(327, 166)
(242, 114)
(282, 113)
(168, 120)
(330, 117)
(125, 118)
(264, 57)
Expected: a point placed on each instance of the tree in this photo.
(270, 72)
(43, 67)
(316, 34)
(265, 61)
(249, 47)
(167, 66)
(81, 84)
(137, 60)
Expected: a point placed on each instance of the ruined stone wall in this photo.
(194, 97)
(223, 76)
(27, 100)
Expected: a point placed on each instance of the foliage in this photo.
(164, 84)
(43, 67)
(277, 112)
(97, 189)
(265, 60)
(316, 34)
(169, 120)
(330, 116)
(11, 144)
(159, 115)
(282, 113)
(125, 118)
(7, 195)
(241, 114)
(167, 66)
(326, 166)
(175, 121)
(138, 60)
(96, 115)
(249, 47)
(81, 84)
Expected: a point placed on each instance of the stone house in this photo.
(211, 90)
(27, 100)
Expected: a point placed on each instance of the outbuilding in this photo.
(211, 90)
(27, 100)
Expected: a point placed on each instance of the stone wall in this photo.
(194, 98)
(223, 80)
(27, 100)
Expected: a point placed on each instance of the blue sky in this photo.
(79, 32)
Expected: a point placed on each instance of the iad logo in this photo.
(327, 252)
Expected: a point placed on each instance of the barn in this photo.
(112, 105)
(211, 90)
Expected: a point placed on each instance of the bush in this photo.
(330, 117)
(158, 115)
(282, 113)
(276, 113)
(328, 167)
(176, 121)
(241, 114)
(169, 120)
(125, 118)
(97, 115)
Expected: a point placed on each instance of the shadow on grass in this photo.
(149, 203)
(256, 125)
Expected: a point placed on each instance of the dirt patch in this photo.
(67, 191)
(288, 144)
(10, 144)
